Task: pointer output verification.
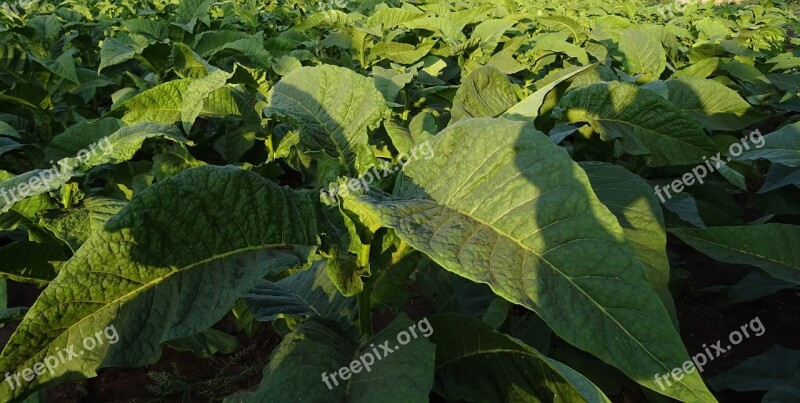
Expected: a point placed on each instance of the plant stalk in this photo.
(365, 312)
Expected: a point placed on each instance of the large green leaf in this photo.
(117, 147)
(638, 211)
(168, 266)
(62, 66)
(329, 17)
(529, 107)
(213, 44)
(780, 175)
(113, 52)
(475, 363)
(196, 94)
(643, 54)
(755, 285)
(713, 105)
(400, 52)
(776, 368)
(389, 82)
(445, 28)
(334, 108)
(172, 101)
(74, 226)
(80, 136)
(23, 211)
(781, 146)
(189, 12)
(27, 261)
(187, 63)
(522, 218)
(486, 92)
(8, 130)
(489, 32)
(307, 293)
(155, 29)
(316, 348)
(768, 246)
(392, 17)
(647, 123)
(562, 23)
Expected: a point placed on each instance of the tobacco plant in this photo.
(259, 163)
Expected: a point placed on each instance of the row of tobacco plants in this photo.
(318, 165)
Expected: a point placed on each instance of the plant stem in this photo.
(271, 148)
(67, 196)
(365, 312)
(365, 297)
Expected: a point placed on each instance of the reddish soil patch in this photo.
(191, 378)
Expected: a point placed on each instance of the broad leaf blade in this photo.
(529, 107)
(191, 11)
(196, 94)
(475, 363)
(632, 201)
(165, 103)
(78, 137)
(781, 146)
(523, 219)
(215, 44)
(712, 104)
(775, 368)
(29, 262)
(307, 293)
(316, 348)
(486, 92)
(334, 107)
(755, 285)
(168, 266)
(768, 246)
(119, 146)
(74, 226)
(113, 52)
(647, 123)
(22, 212)
(643, 54)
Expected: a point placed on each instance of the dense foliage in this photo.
(313, 165)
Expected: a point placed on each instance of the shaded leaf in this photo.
(485, 92)
(647, 123)
(770, 247)
(306, 293)
(644, 55)
(475, 363)
(713, 105)
(155, 284)
(524, 220)
(316, 348)
(334, 108)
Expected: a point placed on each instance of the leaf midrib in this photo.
(742, 251)
(569, 279)
(158, 280)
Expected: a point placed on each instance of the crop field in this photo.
(399, 201)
